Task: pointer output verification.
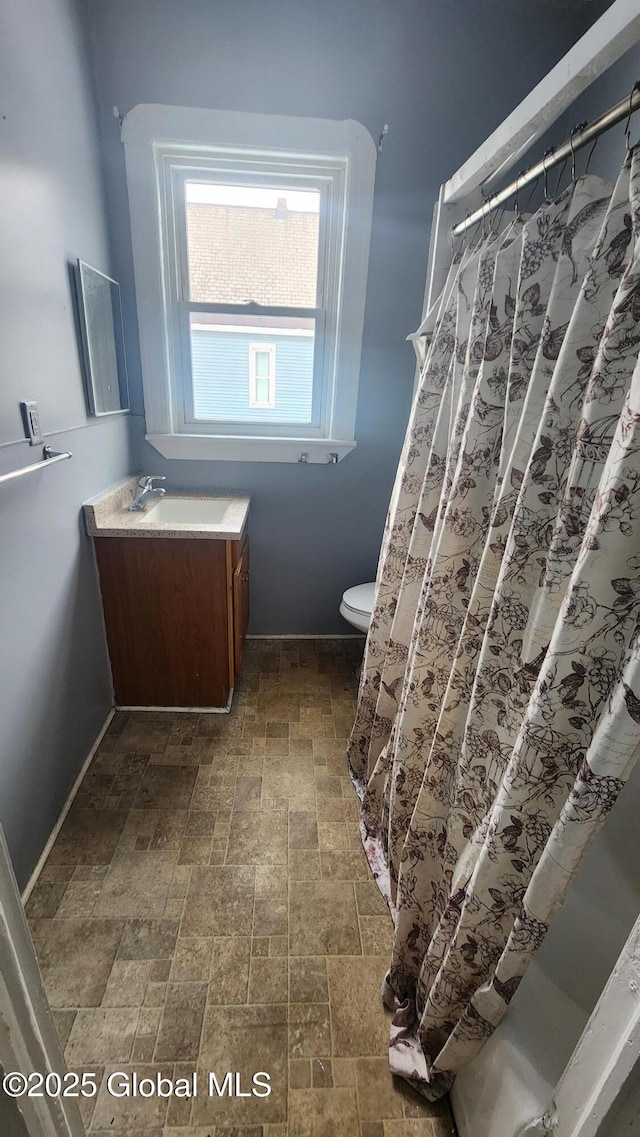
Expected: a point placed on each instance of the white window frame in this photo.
(264, 349)
(163, 146)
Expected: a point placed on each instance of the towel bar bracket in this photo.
(49, 454)
(49, 458)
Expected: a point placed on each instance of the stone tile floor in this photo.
(207, 906)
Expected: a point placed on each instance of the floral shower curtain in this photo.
(500, 693)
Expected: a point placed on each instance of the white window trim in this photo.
(270, 350)
(149, 132)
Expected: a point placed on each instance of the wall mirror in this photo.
(102, 341)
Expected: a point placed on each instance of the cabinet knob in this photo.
(245, 577)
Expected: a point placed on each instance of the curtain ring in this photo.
(465, 237)
(486, 228)
(576, 130)
(533, 190)
(546, 155)
(500, 215)
(593, 146)
(476, 232)
(516, 200)
(627, 125)
(560, 176)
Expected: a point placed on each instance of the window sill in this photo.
(219, 448)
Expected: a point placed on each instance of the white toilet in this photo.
(357, 605)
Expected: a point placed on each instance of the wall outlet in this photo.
(31, 418)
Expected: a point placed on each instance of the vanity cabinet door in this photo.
(167, 620)
(240, 606)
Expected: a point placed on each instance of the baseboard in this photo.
(33, 879)
(302, 636)
(182, 710)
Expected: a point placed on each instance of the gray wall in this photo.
(55, 687)
(442, 73)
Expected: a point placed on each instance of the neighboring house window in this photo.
(262, 375)
(256, 245)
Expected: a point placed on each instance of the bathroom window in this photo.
(253, 248)
(262, 376)
(251, 241)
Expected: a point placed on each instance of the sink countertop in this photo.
(107, 515)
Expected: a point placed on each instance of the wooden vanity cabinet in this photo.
(239, 603)
(176, 613)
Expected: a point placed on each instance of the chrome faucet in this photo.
(147, 490)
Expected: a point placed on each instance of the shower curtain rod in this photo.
(580, 138)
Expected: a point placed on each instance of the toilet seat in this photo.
(357, 605)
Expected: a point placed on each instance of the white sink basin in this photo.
(187, 512)
(198, 516)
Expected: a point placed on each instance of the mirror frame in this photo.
(81, 268)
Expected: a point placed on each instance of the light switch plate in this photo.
(31, 418)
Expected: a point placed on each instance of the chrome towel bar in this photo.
(49, 457)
